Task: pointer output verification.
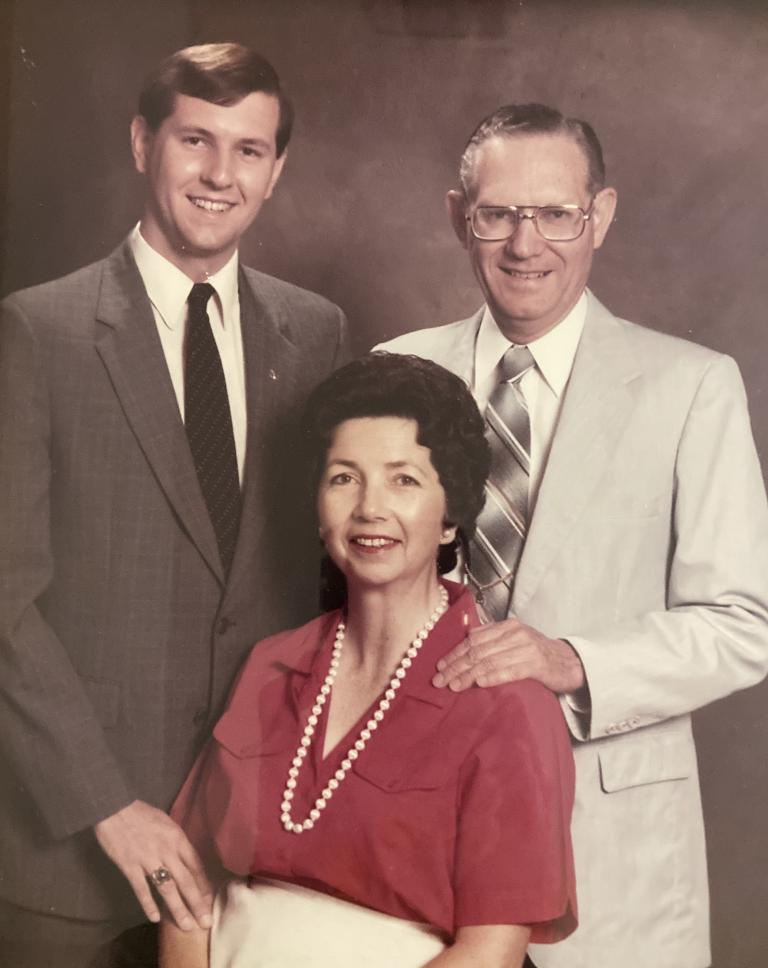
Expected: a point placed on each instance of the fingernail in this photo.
(438, 680)
(205, 921)
(441, 663)
(154, 917)
(454, 685)
(186, 924)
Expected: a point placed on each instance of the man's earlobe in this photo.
(456, 203)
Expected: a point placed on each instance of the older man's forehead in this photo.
(535, 158)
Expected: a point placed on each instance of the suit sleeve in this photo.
(712, 638)
(49, 732)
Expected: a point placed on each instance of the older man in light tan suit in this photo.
(640, 593)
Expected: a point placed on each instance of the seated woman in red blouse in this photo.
(355, 814)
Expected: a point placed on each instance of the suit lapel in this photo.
(270, 356)
(131, 351)
(597, 404)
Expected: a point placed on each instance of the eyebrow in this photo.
(392, 465)
(205, 133)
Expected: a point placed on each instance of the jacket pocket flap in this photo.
(624, 765)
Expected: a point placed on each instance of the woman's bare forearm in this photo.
(183, 949)
(485, 946)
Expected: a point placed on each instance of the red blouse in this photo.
(456, 813)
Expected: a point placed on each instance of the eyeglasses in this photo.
(555, 223)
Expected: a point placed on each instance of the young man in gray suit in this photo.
(623, 548)
(152, 522)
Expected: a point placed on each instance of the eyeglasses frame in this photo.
(531, 212)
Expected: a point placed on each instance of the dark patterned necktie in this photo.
(208, 423)
(501, 528)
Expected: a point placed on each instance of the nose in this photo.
(217, 171)
(526, 241)
(370, 502)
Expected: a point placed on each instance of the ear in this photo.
(448, 533)
(277, 170)
(603, 210)
(141, 143)
(456, 203)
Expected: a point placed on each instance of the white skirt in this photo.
(263, 923)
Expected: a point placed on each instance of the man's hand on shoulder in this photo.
(141, 839)
(507, 651)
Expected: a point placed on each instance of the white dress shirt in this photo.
(542, 386)
(168, 289)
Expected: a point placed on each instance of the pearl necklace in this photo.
(365, 734)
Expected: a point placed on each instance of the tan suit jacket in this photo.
(648, 551)
(119, 634)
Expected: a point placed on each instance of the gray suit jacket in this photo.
(119, 635)
(648, 550)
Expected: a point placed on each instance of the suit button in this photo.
(200, 717)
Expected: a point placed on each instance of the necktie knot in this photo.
(515, 362)
(199, 295)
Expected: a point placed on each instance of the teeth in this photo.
(373, 542)
(211, 206)
(525, 275)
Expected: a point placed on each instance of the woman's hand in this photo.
(485, 946)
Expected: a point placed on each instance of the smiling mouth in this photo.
(209, 205)
(373, 543)
(525, 276)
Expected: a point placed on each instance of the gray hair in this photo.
(528, 119)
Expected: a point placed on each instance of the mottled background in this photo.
(387, 92)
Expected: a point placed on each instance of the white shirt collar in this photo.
(554, 352)
(168, 287)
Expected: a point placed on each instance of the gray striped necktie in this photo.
(502, 525)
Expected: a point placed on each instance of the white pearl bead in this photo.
(406, 663)
(365, 734)
(288, 795)
(312, 721)
(296, 828)
(346, 765)
(308, 824)
(320, 803)
(372, 724)
(389, 694)
(340, 774)
(400, 674)
(306, 741)
(291, 784)
(286, 818)
(383, 707)
(333, 783)
(326, 794)
(379, 714)
(314, 813)
(359, 745)
(352, 754)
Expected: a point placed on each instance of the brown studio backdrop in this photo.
(386, 92)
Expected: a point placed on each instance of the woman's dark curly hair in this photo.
(449, 424)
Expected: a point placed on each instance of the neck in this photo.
(381, 623)
(197, 268)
